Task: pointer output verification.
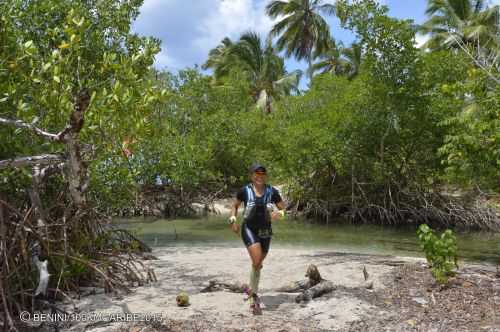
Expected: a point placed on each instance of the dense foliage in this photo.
(383, 127)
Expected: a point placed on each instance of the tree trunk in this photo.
(34, 193)
(76, 172)
(76, 169)
(310, 65)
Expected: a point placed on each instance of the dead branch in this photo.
(44, 159)
(36, 130)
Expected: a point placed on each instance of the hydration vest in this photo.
(251, 207)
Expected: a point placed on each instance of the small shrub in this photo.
(440, 252)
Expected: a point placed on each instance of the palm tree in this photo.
(263, 67)
(217, 58)
(339, 60)
(302, 30)
(330, 60)
(461, 23)
(353, 56)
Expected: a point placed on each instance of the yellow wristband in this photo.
(282, 212)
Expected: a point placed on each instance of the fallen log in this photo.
(313, 278)
(217, 285)
(323, 287)
(312, 287)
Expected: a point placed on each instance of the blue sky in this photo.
(189, 29)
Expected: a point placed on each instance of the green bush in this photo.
(440, 252)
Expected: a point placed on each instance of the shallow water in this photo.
(369, 239)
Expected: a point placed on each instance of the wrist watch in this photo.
(232, 220)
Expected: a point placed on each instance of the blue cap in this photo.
(256, 166)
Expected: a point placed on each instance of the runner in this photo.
(256, 231)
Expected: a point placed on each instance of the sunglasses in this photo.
(260, 173)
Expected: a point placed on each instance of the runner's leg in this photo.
(255, 252)
(254, 248)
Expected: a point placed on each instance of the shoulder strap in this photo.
(250, 194)
(268, 194)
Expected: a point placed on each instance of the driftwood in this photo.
(323, 287)
(313, 278)
(312, 287)
(216, 285)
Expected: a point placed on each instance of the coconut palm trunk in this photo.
(310, 67)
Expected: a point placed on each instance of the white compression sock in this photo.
(254, 280)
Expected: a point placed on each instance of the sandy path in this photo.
(189, 268)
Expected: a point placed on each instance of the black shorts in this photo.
(251, 236)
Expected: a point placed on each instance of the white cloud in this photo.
(231, 18)
(189, 30)
(163, 60)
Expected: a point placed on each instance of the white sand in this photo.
(189, 268)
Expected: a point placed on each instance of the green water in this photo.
(370, 239)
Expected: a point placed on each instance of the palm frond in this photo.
(461, 22)
(302, 30)
(327, 9)
(288, 83)
(259, 62)
(276, 8)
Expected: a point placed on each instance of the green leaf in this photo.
(79, 22)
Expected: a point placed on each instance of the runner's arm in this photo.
(234, 207)
(232, 219)
(278, 201)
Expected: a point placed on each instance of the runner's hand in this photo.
(277, 215)
(236, 228)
